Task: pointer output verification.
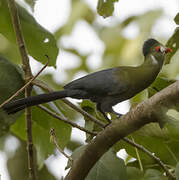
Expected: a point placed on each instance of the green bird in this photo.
(107, 87)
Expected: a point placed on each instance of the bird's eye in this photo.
(157, 48)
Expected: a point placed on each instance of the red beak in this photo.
(168, 50)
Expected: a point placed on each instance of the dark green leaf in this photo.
(73, 144)
(11, 81)
(108, 167)
(153, 174)
(76, 153)
(134, 173)
(159, 84)
(42, 123)
(139, 98)
(151, 137)
(19, 127)
(89, 107)
(38, 40)
(105, 8)
(176, 19)
(41, 128)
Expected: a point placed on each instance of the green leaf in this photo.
(11, 81)
(105, 8)
(76, 153)
(176, 19)
(42, 123)
(108, 167)
(151, 137)
(159, 84)
(41, 128)
(39, 41)
(139, 98)
(89, 107)
(19, 128)
(153, 174)
(134, 173)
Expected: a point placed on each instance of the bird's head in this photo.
(152, 46)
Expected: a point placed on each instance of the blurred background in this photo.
(88, 42)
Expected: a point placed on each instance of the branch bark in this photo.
(144, 113)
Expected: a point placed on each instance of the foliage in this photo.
(35, 36)
(163, 143)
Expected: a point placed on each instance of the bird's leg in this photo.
(116, 113)
(98, 107)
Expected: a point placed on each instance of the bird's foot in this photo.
(119, 115)
(107, 124)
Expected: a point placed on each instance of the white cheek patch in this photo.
(162, 49)
(154, 61)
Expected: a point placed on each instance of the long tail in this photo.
(17, 105)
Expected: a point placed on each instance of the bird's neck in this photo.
(148, 71)
(153, 61)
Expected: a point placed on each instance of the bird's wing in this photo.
(105, 82)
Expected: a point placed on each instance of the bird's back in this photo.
(101, 82)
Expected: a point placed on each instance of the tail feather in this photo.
(17, 105)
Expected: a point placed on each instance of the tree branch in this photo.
(28, 75)
(53, 114)
(144, 113)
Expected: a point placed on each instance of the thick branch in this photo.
(143, 113)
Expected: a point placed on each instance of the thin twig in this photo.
(84, 113)
(28, 75)
(143, 149)
(27, 84)
(53, 139)
(53, 114)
